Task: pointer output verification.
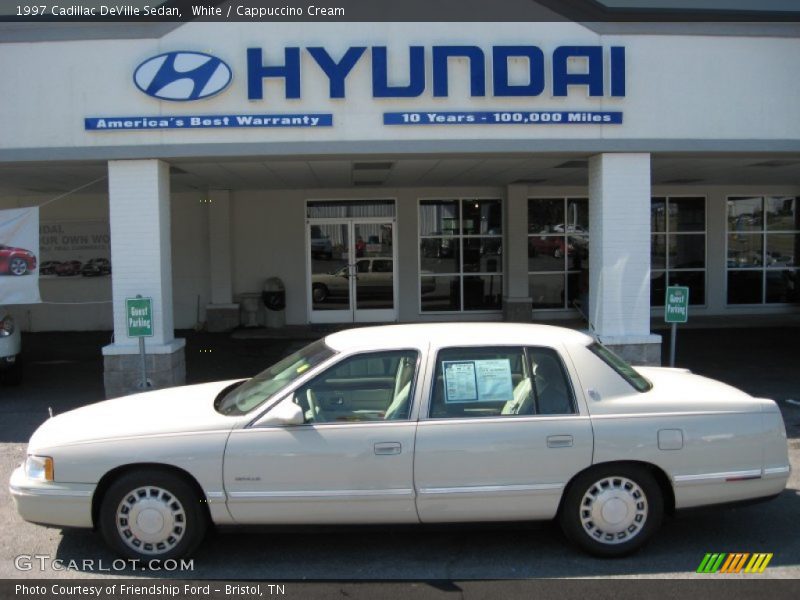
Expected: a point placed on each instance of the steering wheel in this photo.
(313, 406)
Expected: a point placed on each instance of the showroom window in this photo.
(558, 252)
(678, 247)
(763, 244)
(460, 255)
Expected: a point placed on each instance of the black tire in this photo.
(181, 532)
(13, 375)
(632, 490)
(17, 266)
(319, 292)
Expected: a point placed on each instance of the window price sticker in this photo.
(478, 380)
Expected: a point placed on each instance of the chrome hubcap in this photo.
(613, 510)
(151, 520)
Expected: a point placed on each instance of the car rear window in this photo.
(627, 372)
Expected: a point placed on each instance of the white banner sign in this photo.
(19, 246)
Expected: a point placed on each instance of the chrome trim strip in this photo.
(492, 489)
(716, 477)
(323, 494)
(429, 422)
(704, 413)
(214, 496)
(773, 472)
(332, 425)
(39, 491)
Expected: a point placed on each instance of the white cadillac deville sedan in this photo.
(409, 424)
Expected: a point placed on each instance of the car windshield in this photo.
(627, 372)
(254, 392)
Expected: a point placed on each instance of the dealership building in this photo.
(403, 172)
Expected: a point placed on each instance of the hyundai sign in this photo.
(336, 70)
(593, 71)
(182, 76)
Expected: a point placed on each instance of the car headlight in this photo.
(6, 326)
(39, 468)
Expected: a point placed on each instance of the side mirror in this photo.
(284, 413)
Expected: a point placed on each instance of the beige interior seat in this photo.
(522, 401)
(398, 409)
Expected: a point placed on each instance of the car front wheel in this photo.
(612, 510)
(152, 515)
(17, 266)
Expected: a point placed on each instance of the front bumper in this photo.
(52, 503)
(10, 347)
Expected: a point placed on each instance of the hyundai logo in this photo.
(182, 76)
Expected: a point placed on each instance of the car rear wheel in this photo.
(152, 515)
(17, 266)
(319, 292)
(612, 510)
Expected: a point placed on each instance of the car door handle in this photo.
(559, 441)
(384, 448)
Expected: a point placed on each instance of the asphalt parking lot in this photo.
(64, 371)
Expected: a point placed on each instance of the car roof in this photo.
(454, 334)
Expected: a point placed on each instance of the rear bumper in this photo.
(50, 503)
(726, 488)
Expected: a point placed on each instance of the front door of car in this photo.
(501, 438)
(352, 459)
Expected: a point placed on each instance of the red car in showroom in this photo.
(16, 261)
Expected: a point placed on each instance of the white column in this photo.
(517, 300)
(619, 248)
(141, 262)
(222, 314)
(219, 237)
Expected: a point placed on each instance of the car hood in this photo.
(173, 410)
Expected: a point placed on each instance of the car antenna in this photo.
(50, 410)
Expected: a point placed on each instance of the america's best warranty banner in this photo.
(19, 247)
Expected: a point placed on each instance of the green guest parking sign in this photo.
(676, 307)
(139, 317)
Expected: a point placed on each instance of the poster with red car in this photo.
(19, 246)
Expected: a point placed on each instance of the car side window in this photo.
(481, 382)
(362, 266)
(375, 386)
(381, 266)
(552, 391)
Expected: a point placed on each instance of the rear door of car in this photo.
(490, 444)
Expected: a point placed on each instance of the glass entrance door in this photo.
(351, 270)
